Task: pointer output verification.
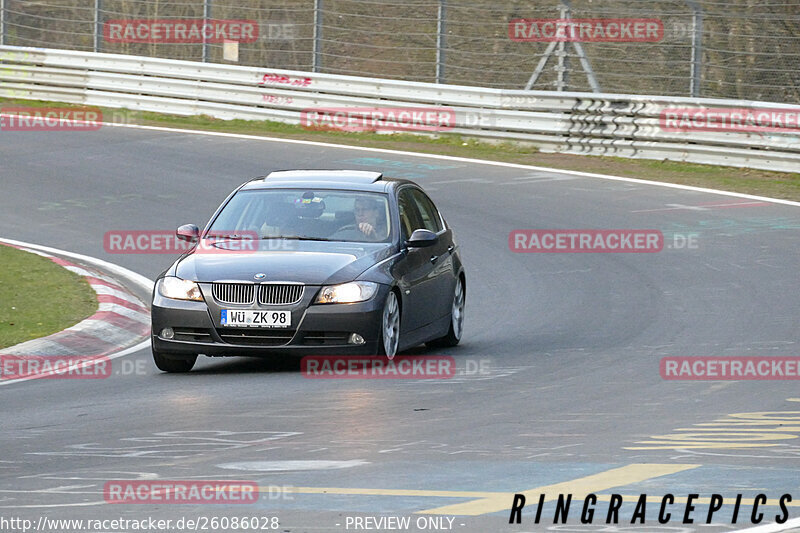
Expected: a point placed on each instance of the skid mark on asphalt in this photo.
(103, 200)
(471, 374)
(172, 444)
(291, 466)
(537, 177)
(460, 180)
(731, 227)
(397, 168)
(434, 450)
(415, 171)
(702, 207)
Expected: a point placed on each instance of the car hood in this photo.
(309, 262)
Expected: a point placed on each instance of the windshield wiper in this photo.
(231, 236)
(297, 238)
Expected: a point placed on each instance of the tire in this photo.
(176, 365)
(389, 338)
(453, 336)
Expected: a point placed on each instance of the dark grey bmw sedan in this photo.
(307, 262)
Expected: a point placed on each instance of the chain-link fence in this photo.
(746, 49)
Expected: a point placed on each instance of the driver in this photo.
(368, 218)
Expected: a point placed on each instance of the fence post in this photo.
(98, 25)
(2, 22)
(562, 70)
(317, 57)
(441, 29)
(697, 48)
(206, 16)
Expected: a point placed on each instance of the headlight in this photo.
(179, 289)
(347, 293)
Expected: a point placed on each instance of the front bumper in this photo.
(316, 329)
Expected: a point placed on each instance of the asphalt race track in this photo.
(558, 387)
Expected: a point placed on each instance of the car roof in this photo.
(355, 180)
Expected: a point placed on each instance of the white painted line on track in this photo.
(459, 159)
(773, 528)
(123, 272)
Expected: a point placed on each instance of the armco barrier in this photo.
(579, 123)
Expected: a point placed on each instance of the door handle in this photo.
(434, 258)
(450, 248)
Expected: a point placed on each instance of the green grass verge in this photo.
(39, 297)
(760, 182)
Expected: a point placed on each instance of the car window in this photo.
(429, 214)
(409, 213)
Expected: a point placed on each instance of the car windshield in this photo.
(304, 214)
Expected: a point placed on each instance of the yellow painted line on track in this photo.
(695, 445)
(739, 428)
(387, 492)
(740, 424)
(341, 491)
(579, 488)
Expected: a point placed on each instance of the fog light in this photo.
(167, 333)
(355, 338)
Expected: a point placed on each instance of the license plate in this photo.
(256, 319)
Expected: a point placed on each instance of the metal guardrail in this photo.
(578, 123)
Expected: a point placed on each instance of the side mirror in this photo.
(422, 238)
(188, 233)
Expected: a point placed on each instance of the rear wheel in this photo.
(173, 363)
(390, 327)
(456, 318)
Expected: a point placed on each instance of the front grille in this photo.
(279, 294)
(234, 293)
(256, 337)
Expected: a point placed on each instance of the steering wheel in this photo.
(347, 227)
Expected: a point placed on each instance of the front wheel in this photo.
(456, 319)
(167, 364)
(390, 327)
